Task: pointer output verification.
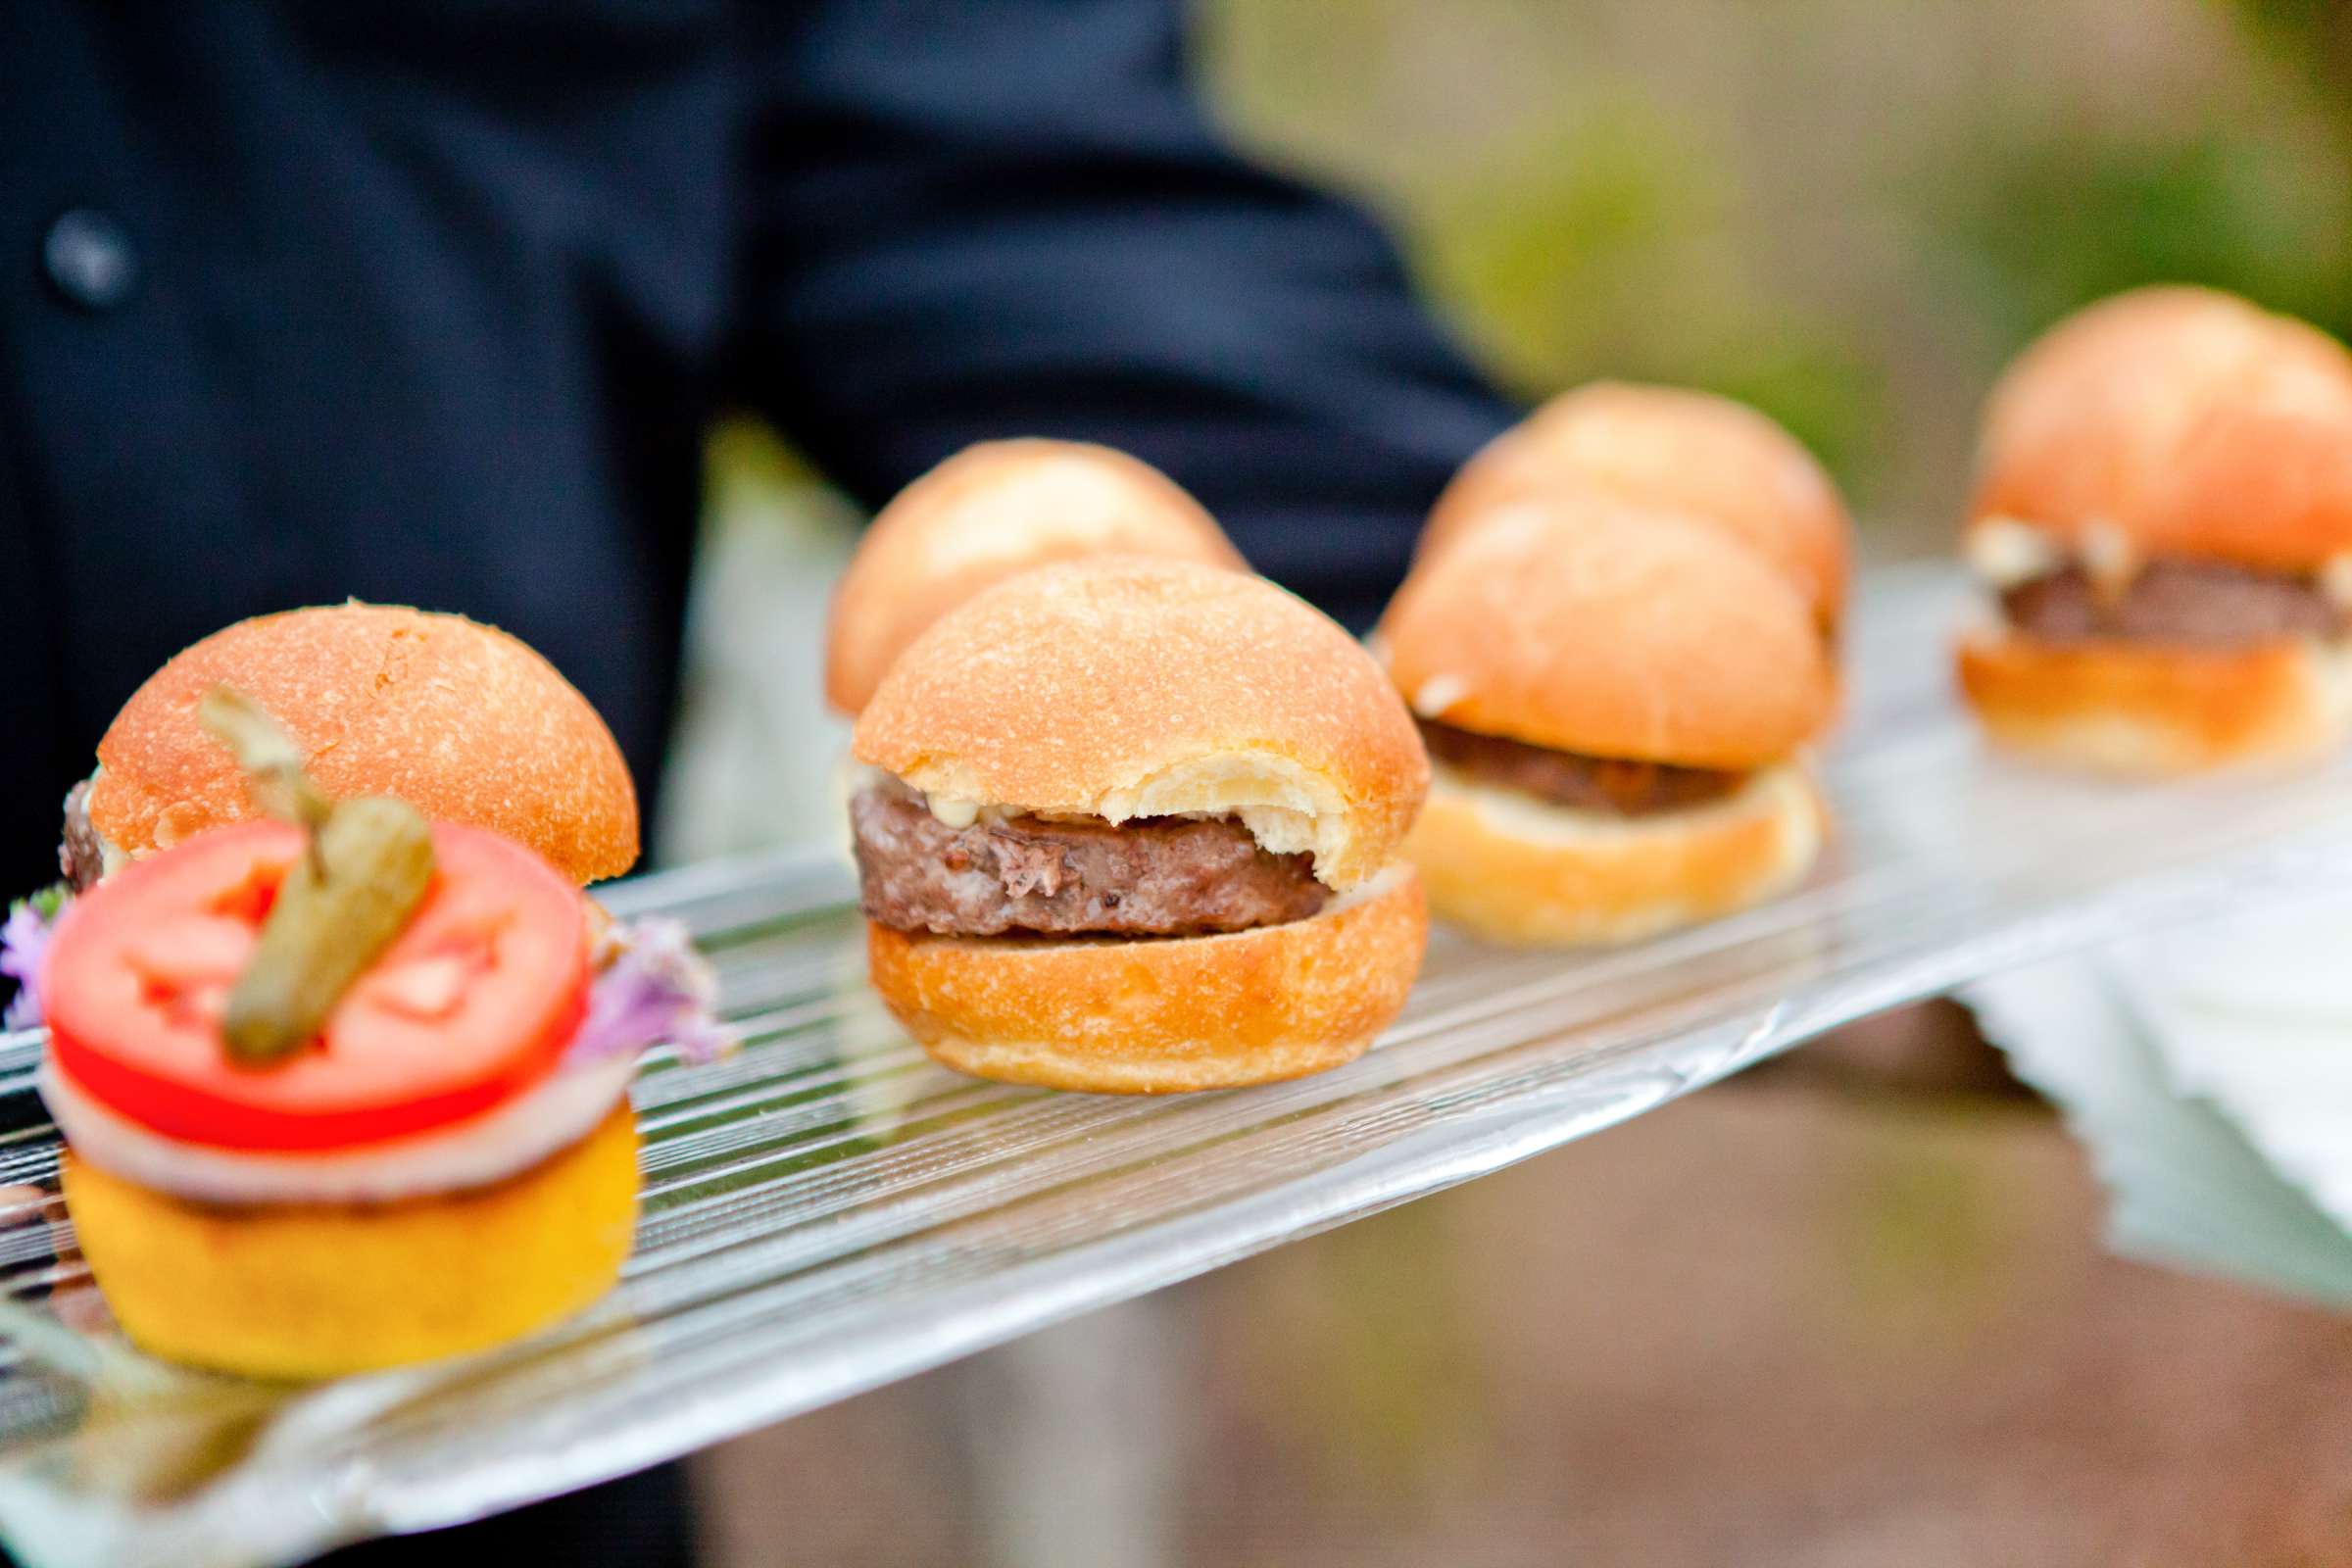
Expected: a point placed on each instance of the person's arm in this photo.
(987, 218)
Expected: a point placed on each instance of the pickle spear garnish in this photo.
(273, 763)
(369, 863)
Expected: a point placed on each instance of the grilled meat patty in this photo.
(1156, 876)
(79, 855)
(1568, 778)
(2187, 603)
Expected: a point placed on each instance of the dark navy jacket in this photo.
(431, 302)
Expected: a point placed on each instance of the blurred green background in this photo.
(1849, 212)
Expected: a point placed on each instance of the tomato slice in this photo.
(471, 1004)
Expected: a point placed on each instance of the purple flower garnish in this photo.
(23, 940)
(659, 989)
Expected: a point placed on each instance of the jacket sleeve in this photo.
(972, 219)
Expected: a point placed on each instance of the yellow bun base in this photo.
(1513, 868)
(299, 1291)
(1162, 1015)
(2150, 711)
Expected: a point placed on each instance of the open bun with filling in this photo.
(1616, 701)
(1131, 825)
(985, 513)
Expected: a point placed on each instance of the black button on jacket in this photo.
(431, 302)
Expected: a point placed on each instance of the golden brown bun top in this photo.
(2102, 420)
(2265, 480)
(1120, 687)
(459, 719)
(988, 511)
(1692, 451)
(1591, 623)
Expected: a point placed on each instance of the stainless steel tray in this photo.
(828, 1211)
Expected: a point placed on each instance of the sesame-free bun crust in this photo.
(304, 1291)
(1700, 453)
(987, 512)
(2109, 416)
(2142, 710)
(1122, 687)
(457, 718)
(1162, 1015)
(2264, 482)
(1518, 871)
(1586, 622)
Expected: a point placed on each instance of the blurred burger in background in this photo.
(1714, 459)
(2164, 517)
(1615, 697)
(986, 513)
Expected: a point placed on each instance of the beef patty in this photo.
(1153, 877)
(2188, 602)
(1569, 779)
(79, 855)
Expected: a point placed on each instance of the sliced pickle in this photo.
(337, 909)
(271, 762)
(369, 863)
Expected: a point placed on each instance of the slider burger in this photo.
(985, 513)
(2164, 513)
(348, 1091)
(1129, 825)
(1613, 697)
(460, 720)
(1692, 452)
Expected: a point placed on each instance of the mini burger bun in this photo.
(2078, 426)
(985, 513)
(1163, 1015)
(2096, 422)
(2145, 710)
(1119, 687)
(460, 720)
(2263, 482)
(1588, 623)
(1706, 456)
(1518, 871)
(320, 1291)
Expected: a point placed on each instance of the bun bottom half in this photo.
(2150, 711)
(1162, 1015)
(316, 1291)
(1516, 869)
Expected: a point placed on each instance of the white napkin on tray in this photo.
(2209, 1070)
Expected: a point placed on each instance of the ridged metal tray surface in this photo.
(826, 1210)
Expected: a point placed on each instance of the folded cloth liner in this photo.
(2209, 1070)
